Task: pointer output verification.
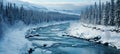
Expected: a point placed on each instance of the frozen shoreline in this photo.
(78, 30)
(13, 41)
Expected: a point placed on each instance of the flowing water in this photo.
(51, 41)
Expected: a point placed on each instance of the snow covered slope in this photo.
(26, 5)
(71, 12)
(32, 6)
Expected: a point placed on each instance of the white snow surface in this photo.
(14, 41)
(76, 29)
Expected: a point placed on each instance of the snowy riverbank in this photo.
(78, 30)
(13, 41)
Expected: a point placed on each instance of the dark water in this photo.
(51, 41)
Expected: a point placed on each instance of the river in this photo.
(50, 40)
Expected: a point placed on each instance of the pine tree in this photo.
(95, 13)
(100, 13)
(1, 6)
(106, 14)
(117, 20)
(112, 13)
(21, 13)
(103, 14)
(109, 13)
(91, 14)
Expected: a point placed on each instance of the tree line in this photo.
(11, 14)
(104, 13)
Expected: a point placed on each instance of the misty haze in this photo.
(59, 26)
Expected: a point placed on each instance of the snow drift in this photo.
(76, 29)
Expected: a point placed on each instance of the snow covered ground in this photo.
(14, 41)
(76, 29)
(48, 41)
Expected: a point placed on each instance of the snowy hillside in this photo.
(32, 6)
(26, 5)
(71, 12)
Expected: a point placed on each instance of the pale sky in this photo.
(62, 1)
(67, 4)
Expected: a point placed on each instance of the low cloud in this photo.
(64, 4)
